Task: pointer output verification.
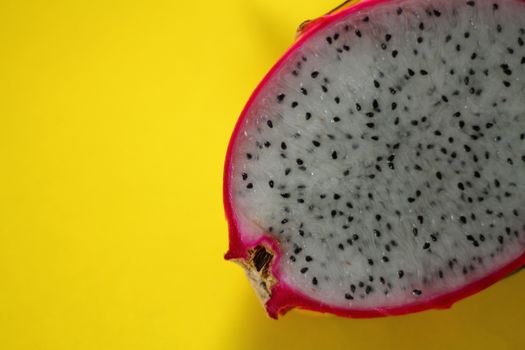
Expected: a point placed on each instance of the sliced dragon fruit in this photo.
(379, 167)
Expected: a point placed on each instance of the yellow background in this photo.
(114, 122)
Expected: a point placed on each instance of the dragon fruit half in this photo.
(379, 167)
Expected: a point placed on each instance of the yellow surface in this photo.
(114, 121)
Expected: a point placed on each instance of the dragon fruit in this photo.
(379, 167)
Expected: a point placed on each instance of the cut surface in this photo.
(386, 154)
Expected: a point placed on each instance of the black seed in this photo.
(348, 296)
(399, 10)
(270, 183)
(423, 72)
(358, 33)
(283, 146)
(285, 195)
(506, 83)
(314, 74)
(376, 84)
(244, 176)
(370, 262)
(463, 219)
(334, 155)
(294, 104)
(426, 245)
(304, 269)
(471, 3)
(400, 273)
(308, 115)
(420, 40)
(269, 123)
(416, 292)
(249, 186)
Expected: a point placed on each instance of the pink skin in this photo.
(284, 297)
